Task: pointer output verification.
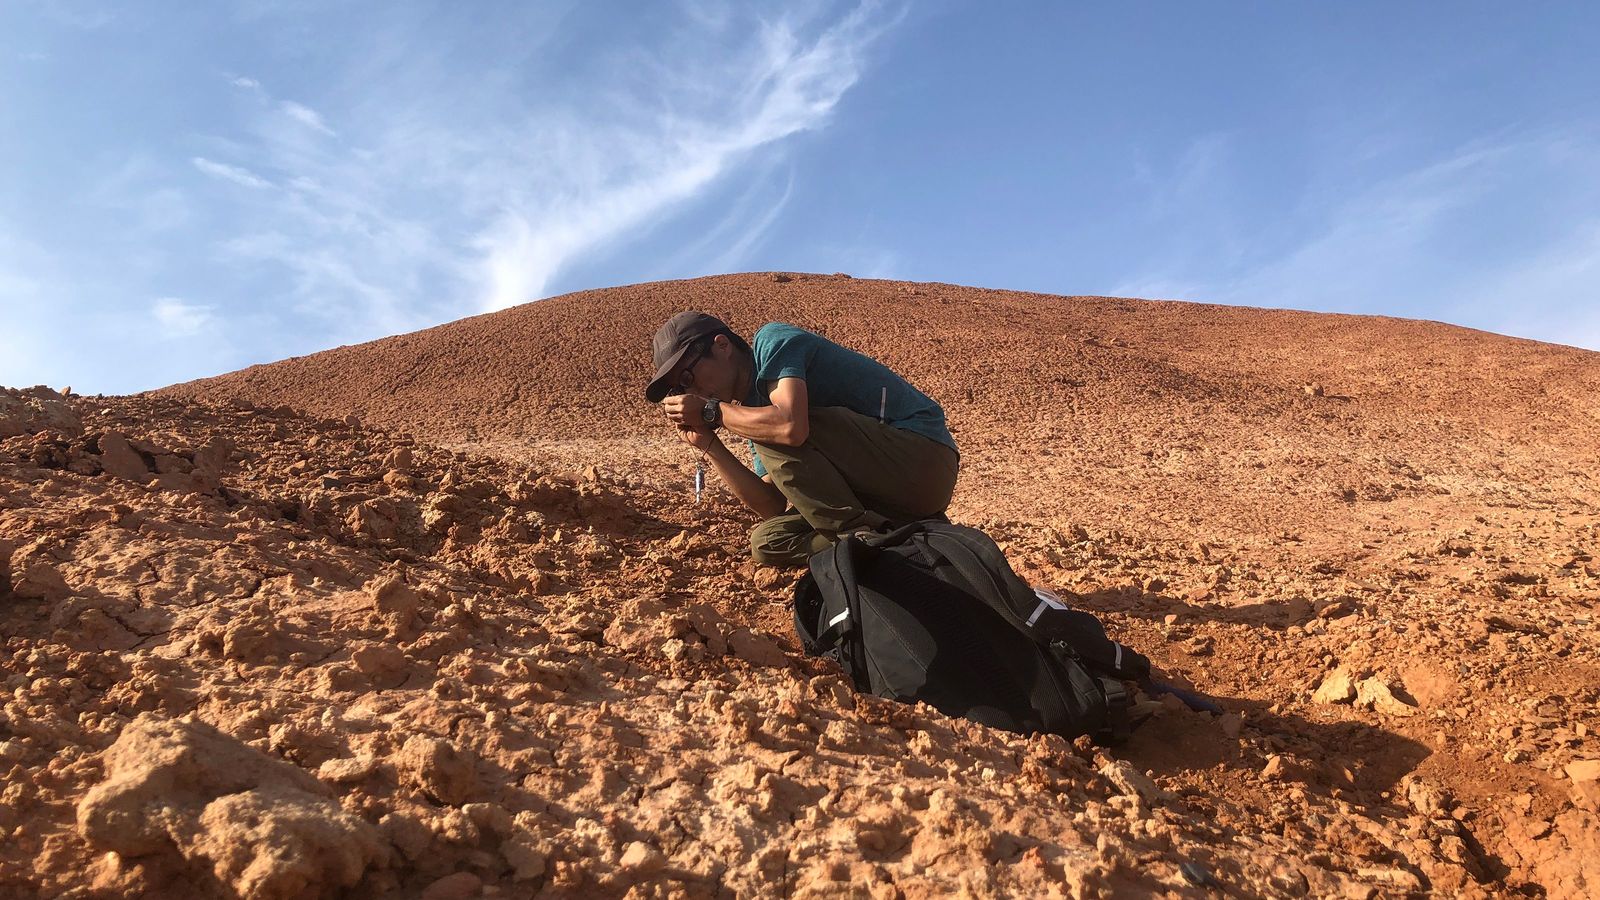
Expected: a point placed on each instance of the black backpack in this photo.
(932, 612)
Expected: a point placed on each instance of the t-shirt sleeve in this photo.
(781, 351)
(789, 352)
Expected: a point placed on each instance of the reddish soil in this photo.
(437, 616)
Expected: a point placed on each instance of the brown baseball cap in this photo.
(674, 339)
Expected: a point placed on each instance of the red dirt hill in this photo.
(476, 640)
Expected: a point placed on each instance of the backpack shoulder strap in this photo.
(988, 585)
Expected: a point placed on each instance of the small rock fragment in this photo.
(375, 659)
(399, 460)
(1399, 879)
(1584, 770)
(1196, 874)
(438, 769)
(346, 769)
(1376, 694)
(1131, 781)
(755, 648)
(524, 850)
(1337, 687)
(641, 858)
(1335, 607)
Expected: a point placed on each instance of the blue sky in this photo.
(186, 189)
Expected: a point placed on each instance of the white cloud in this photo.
(178, 319)
(785, 83)
(248, 84)
(235, 174)
(463, 191)
(745, 227)
(306, 116)
(1447, 237)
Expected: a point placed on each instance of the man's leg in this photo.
(786, 540)
(855, 472)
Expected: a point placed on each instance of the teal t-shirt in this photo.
(839, 376)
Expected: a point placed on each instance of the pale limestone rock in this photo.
(438, 769)
(262, 826)
(1337, 687)
(1376, 694)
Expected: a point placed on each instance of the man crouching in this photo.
(840, 442)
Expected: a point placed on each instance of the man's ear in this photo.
(722, 344)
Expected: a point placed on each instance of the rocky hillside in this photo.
(436, 616)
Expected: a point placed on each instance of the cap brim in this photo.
(657, 390)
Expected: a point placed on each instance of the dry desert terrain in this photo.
(437, 616)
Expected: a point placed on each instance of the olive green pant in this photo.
(852, 472)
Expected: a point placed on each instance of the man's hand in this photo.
(686, 411)
(702, 439)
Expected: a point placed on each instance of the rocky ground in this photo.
(437, 616)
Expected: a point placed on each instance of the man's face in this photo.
(710, 373)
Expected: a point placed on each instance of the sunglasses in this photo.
(686, 374)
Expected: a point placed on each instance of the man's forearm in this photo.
(763, 424)
(766, 500)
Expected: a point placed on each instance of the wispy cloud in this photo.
(471, 194)
(313, 211)
(1418, 241)
(783, 84)
(235, 174)
(752, 231)
(306, 116)
(177, 319)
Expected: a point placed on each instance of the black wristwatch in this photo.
(711, 413)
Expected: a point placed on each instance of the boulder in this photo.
(263, 828)
(120, 460)
(34, 410)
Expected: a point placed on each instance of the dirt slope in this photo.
(476, 640)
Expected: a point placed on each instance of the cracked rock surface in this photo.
(433, 617)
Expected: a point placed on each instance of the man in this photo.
(841, 443)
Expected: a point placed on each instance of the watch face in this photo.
(709, 412)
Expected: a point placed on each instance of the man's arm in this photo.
(750, 488)
(786, 422)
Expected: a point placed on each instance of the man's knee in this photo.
(784, 541)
